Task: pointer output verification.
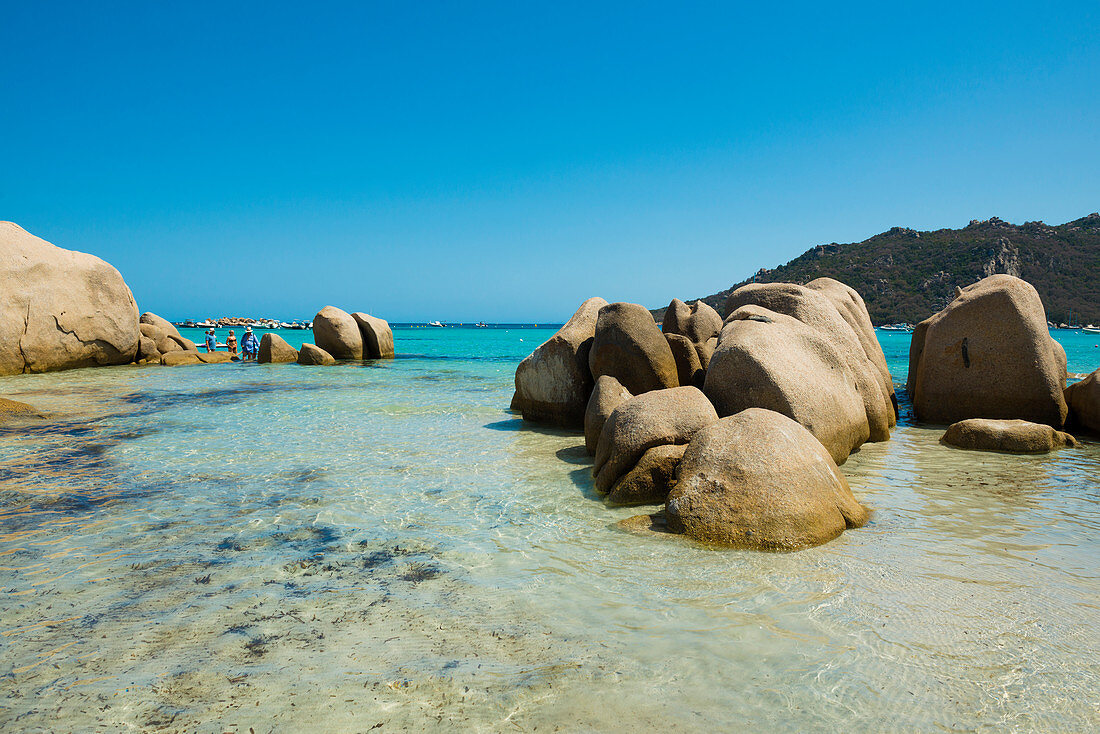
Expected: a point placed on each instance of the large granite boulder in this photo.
(697, 322)
(1083, 399)
(818, 310)
(158, 323)
(1008, 436)
(60, 309)
(377, 336)
(770, 360)
(852, 308)
(761, 481)
(311, 354)
(336, 332)
(655, 418)
(988, 354)
(629, 346)
(607, 395)
(651, 479)
(689, 368)
(274, 349)
(147, 350)
(553, 383)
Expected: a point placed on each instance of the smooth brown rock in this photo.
(1084, 402)
(853, 309)
(706, 351)
(553, 383)
(163, 325)
(274, 349)
(689, 370)
(817, 309)
(11, 409)
(989, 354)
(770, 360)
(759, 480)
(179, 358)
(1008, 436)
(606, 396)
(211, 357)
(311, 354)
(60, 309)
(697, 322)
(184, 343)
(147, 349)
(655, 418)
(377, 336)
(336, 332)
(630, 347)
(651, 478)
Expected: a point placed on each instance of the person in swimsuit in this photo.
(211, 341)
(231, 345)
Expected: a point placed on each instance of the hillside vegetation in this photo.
(905, 275)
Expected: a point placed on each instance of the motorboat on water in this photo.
(896, 327)
(435, 323)
(1091, 329)
(481, 325)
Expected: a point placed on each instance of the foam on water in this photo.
(234, 546)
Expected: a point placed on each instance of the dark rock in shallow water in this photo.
(759, 480)
(15, 409)
(1084, 402)
(1008, 436)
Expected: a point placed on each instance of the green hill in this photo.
(906, 276)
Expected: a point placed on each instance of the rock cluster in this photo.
(1083, 399)
(160, 338)
(343, 336)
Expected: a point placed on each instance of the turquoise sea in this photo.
(282, 548)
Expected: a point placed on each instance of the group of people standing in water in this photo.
(250, 345)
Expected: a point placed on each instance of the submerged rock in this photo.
(181, 357)
(60, 309)
(311, 354)
(377, 336)
(606, 396)
(759, 480)
(275, 349)
(630, 347)
(337, 333)
(1083, 399)
(988, 355)
(1008, 436)
(15, 409)
(655, 418)
(553, 383)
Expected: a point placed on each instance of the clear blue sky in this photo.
(467, 161)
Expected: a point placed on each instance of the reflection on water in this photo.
(225, 547)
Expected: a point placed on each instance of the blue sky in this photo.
(467, 161)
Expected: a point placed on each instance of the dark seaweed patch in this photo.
(417, 572)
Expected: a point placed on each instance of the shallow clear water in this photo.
(279, 547)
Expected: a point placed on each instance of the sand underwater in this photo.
(285, 548)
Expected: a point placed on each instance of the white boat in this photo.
(1091, 329)
(895, 327)
(435, 323)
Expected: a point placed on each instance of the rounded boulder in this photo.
(629, 346)
(336, 332)
(759, 480)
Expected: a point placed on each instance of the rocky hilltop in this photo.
(905, 275)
